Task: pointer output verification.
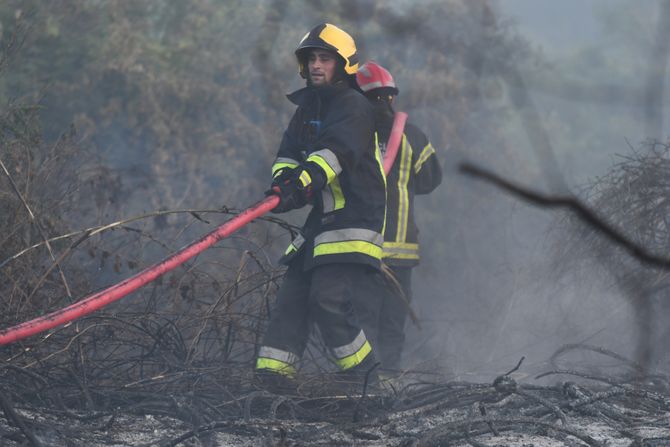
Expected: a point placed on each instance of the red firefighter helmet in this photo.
(372, 76)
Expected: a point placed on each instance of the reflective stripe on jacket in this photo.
(415, 171)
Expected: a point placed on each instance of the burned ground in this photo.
(223, 407)
(117, 114)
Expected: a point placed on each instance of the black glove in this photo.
(283, 175)
(286, 185)
(295, 187)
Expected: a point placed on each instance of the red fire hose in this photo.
(118, 291)
(114, 293)
(394, 140)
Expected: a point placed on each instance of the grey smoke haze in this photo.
(494, 297)
(548, 103)
(563, 26)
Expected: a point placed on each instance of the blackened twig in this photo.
(516, 368)
(39, 229)
(575, 206)
(574, 346)
(553, 408)
(18, 421)
(365, 389)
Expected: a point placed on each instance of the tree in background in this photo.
(182, 105)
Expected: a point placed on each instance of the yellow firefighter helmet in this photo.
(328, 37)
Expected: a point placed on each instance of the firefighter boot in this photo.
(362, 378)
(274, 382)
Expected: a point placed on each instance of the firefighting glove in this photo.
(310, 179)
(296, 188)
(283, 175)
(290, 197)
(316, 176)
(285, 184)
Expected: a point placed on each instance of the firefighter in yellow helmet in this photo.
(327, 159)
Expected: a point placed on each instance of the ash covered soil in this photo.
(576, 409)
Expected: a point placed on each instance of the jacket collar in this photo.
(307, 94)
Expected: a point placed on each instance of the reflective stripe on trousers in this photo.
(352, 354)
(276, 360)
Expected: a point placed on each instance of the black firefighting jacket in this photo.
(415, 171)
(333, 128)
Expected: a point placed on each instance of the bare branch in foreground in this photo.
(572, 203)
(40, 230)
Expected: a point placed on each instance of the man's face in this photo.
(321, 66)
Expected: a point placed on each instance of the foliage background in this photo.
(113, 109)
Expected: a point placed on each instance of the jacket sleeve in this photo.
(288, 156)
(426, 167)
(345, 135)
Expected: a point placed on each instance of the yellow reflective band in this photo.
(281, 165)
(330, 158)
(305, 179)
(380, 163)
(402, 245)
(396, 255)
(401, 250)
(334, 248)
(379, 157)
(275, 366)
(356, 358)
(425, 154)
(338, 195)
(403, 195)
(323, 164)
(350, 348)
(350, 234)
(388, 255)
(295, 244)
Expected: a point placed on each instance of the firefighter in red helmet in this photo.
(416, 170)
(328, 159)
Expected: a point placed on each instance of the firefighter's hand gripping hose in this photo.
(114, 293)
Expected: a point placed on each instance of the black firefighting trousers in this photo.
(325, 295)
(383, 314)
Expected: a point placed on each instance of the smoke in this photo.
(495, 294)
(185, 108)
